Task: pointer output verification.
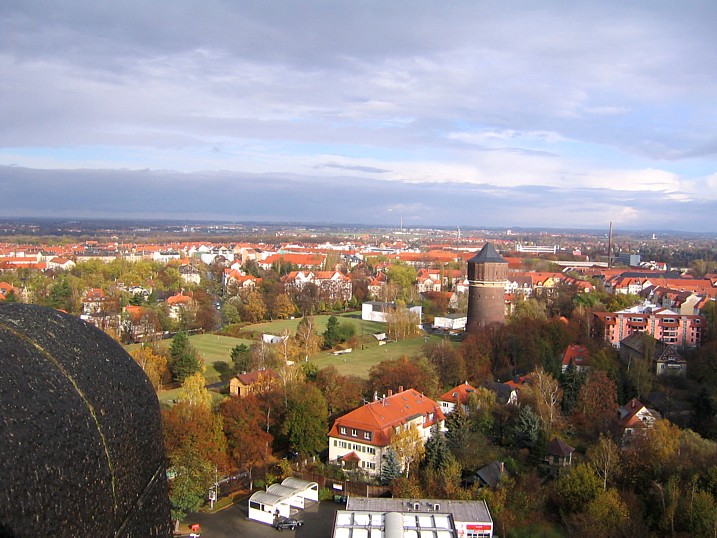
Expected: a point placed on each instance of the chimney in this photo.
(390, 392)
(375, 395)
(400, 388)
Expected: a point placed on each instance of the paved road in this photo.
(232, 522)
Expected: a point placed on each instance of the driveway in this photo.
(232, 522)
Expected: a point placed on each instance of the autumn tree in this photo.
(448, 362)
(402, 323)
(253, 309)
(154, 363)
(308, 337)
(342, 393)
(477, 351)
(604, 456)
(195, 446)
(402, 278)
(605, 515)
(576, 488)
(481, 403)
(414, 373)
(194, 391)
(408, 446)
(282, 307)
(597, 402)
(548, 396)
(248, 442)
(306, 421)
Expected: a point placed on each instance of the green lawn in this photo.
(215, 350)
(360, 361)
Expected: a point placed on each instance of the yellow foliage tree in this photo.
(408, 445)
(154, 364)
(194, 391)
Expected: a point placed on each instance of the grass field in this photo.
(215, 350)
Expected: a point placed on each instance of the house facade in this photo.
(670, 327)
(378, 311)
(459, 395)
(333, 285)
(257, 381)
(363, 435)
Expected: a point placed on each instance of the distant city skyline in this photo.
(471, 114)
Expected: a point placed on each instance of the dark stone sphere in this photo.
(80, 434)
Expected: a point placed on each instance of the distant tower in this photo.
(487, 273)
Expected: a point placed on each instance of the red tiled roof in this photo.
(380, 417)
(576, 354)
(461, 393)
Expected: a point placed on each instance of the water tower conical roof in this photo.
(488, 254)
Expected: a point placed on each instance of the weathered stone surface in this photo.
(80, 434)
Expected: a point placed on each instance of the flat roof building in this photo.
(366, 517)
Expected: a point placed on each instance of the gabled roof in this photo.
(487, 254)
(490, 474)
(250, 378)
(461, 393)
(576, 354)
(381, 416)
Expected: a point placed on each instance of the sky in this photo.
(557, 114)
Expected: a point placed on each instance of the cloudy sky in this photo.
(470, 113)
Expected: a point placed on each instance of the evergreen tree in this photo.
(526, 428)
(332, 333)
(241, 357)
(437, 454)
(184, 358)
(457, 424)
(391, 467)
(571, 381)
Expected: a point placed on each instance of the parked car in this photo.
(288, 523)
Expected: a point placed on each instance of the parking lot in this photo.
(232, 522)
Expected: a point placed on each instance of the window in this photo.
(354, 433)
(367, 435)
(342, 430)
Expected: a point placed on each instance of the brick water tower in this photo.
(487, 273)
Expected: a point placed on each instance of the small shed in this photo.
(560, 453)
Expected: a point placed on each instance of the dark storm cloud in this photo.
(443, 112)
(247, 197)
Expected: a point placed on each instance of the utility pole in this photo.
(214, 491)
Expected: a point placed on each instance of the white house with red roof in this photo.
(178, 303)
(235, 280)
(450, 400)
(333, 285)
(634, 418)
(578, 356)
(363, 435)
(6, 288)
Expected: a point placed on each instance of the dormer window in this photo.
(354, 433)
(367, 435)
(342, 430)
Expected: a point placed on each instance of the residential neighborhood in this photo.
(360, 368)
